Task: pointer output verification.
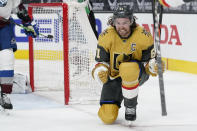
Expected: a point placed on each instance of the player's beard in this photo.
(123, 32)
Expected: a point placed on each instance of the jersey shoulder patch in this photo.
(107, 35)
(104, 33)
(146, 33)
(107, 31)
(141, 31)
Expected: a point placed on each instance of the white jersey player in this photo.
(173, 3)
(8, 45)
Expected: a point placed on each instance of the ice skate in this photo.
(130, 114)
(5, 102)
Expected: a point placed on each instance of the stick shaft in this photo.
(157, 34)
(26, 28)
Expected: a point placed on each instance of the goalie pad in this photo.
(21, 84)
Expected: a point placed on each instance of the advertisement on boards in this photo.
(177, 33)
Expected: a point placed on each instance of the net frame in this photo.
(77, 22)
(64, 7)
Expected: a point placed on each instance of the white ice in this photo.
(34, 112)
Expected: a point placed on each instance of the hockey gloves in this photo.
(31, 29)
(100, 73)
(152, 67)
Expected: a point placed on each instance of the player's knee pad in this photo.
(108, 113)
(129, 72)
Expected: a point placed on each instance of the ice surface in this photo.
(36, 112)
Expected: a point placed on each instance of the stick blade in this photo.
(50, 36)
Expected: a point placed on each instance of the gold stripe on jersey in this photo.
(140, 41)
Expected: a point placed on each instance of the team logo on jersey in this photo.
(13, 41)
(146, 32)
(104, 33)
(133, 47)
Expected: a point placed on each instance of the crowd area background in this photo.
(139, 6)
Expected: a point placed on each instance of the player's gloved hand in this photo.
(101, 73)
(31, 29)
(152, 67)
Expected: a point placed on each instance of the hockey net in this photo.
(64, 63)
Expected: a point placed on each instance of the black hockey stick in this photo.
(26, 28)
(157, 34)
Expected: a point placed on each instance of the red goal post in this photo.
(63, 63)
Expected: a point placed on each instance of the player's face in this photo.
(123, 26)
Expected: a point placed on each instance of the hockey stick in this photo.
(26, 28)
(157, 34)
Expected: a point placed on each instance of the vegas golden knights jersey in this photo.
(113, 50)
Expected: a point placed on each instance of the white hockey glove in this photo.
(152, 67)
(100, 73)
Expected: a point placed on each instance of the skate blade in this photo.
(128, 123)
(4, 111)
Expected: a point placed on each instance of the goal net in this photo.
(63, 63)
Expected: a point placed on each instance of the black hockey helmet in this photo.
(123, 11)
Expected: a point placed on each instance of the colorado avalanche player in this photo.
(8, 45)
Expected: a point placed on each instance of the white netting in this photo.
(48, 53)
